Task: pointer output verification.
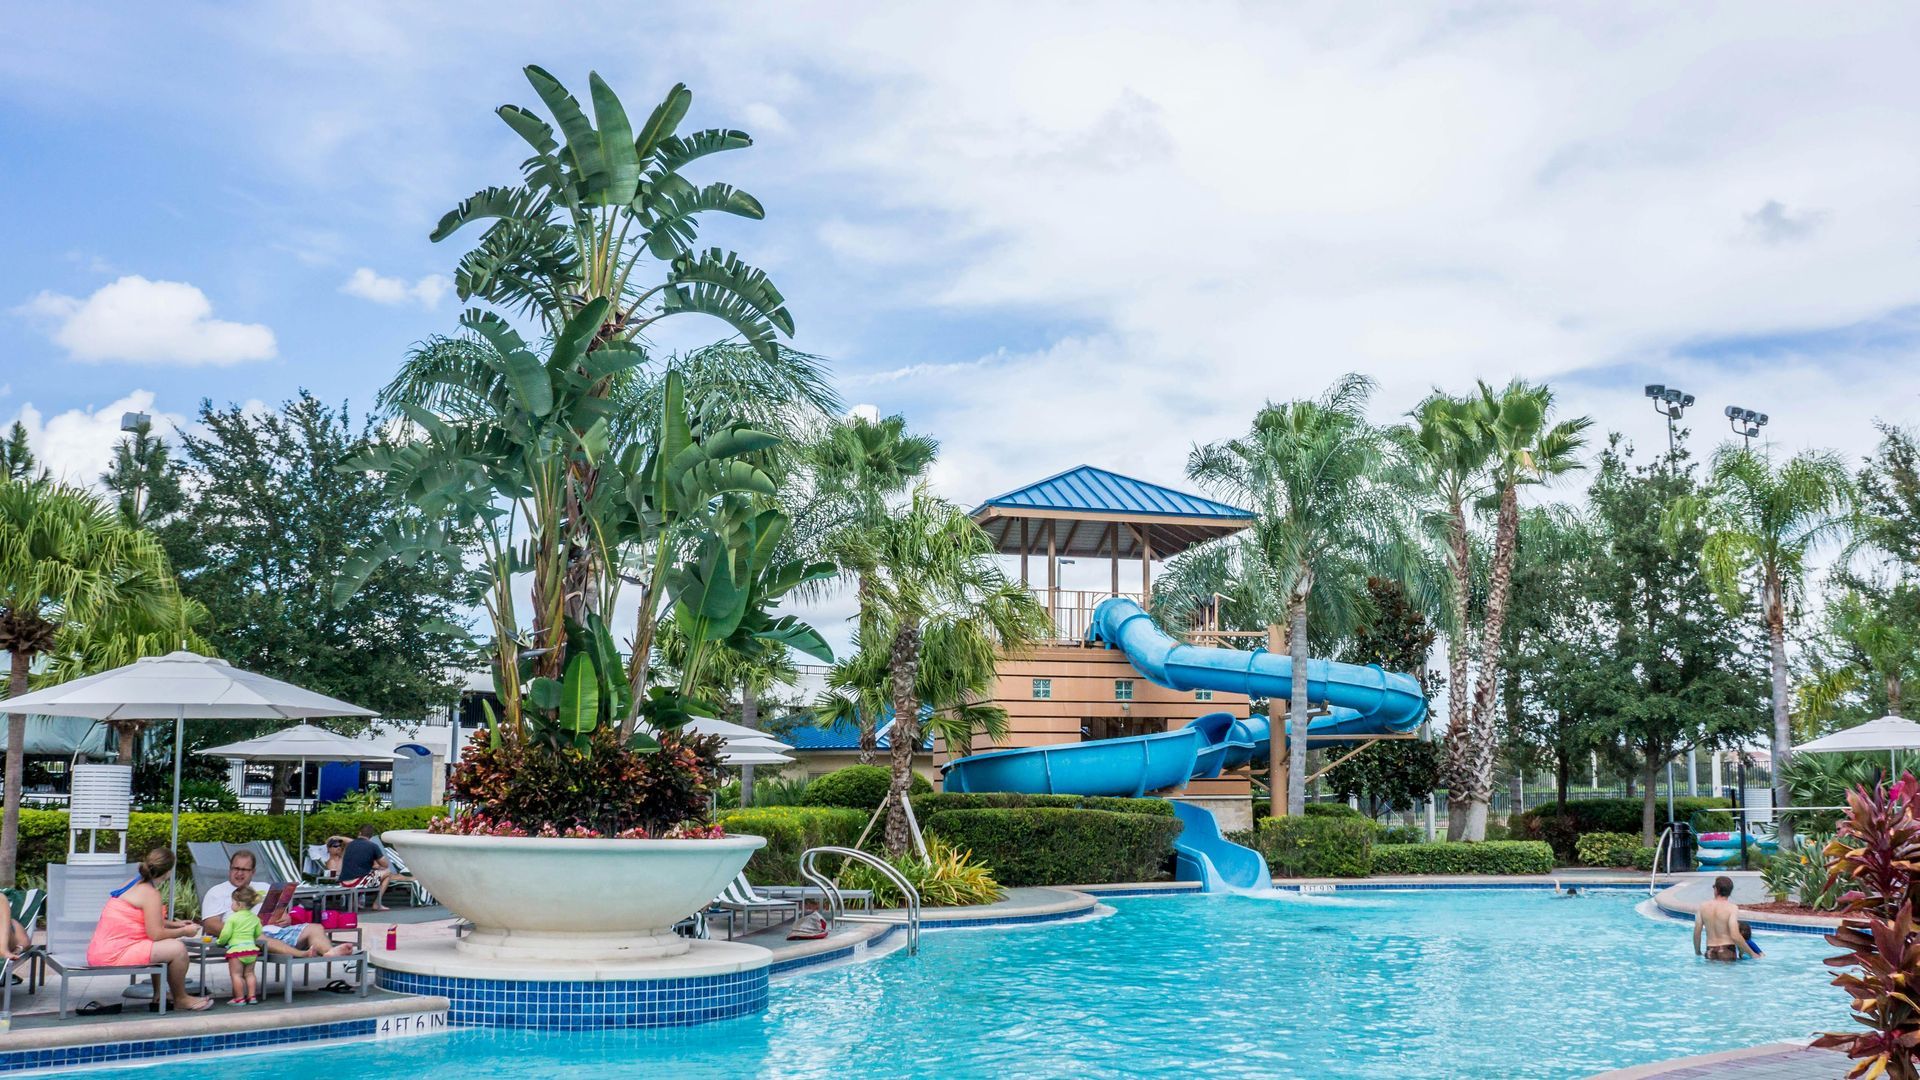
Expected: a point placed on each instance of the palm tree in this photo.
(859, 466)
(1523, 447)
(1447, 451)
(936, 588)
(1761, 523)
(1877, 636)
(1326, 517)
(65, 561)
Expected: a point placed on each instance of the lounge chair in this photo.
(76, 898)
(274, 865)
(860, 898)
(739, 896)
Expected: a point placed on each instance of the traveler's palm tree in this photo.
(1880, 640)
(1762, 523)
(935, 583)
(66, 561)
(859, 466)
(1319, 480)
(1524, 446)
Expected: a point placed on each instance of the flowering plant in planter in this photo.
(604, 789)
(1878, 846)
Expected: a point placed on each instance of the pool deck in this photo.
(1774, 1061)
(1682, 899)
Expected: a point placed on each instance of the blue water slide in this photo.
(1363, 700)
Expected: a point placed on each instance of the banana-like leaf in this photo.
(580, 697)
(593, 441)
(612, 359)
(674, 227)
(583, 143)
(606, 661)
(616, 141)
(436, 428)
(493, 723)
(726, 271)
(734, 293)
(544, 694)
(677, 152)
(791, 632)
(532, 388)
(666, 117)
(738, 442)
(492, 202)
(537, 132)
(571, 344)
(719, 477)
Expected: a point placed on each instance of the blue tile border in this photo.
(588, 1005)
(1099, 892)
(70, 1057)
(1361, 884)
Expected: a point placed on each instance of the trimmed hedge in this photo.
(1317, 845)
(861, 787)
(43, 833)
(1332, 809)
(1401, 834)
(1451, 857)
(934, 802)
(1050, 845)
(1643, 858)
(790, 831)
(1607, 848)
(1563, 831)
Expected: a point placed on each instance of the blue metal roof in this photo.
(1090, 490)
(842, 735)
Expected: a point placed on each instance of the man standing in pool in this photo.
(1719, 919)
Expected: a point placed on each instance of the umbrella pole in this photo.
(179, 726)
(302, 849)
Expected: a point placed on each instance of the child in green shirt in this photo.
(240, 936)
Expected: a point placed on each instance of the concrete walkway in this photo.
(1774, 1061)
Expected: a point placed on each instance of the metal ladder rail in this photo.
(836, 906)
(1664, 843)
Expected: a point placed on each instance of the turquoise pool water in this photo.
(1441, 984)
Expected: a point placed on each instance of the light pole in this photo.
(1670, 403)
(1745, 423)
(137, 424)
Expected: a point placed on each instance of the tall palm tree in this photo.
(935, 584)
(1317, 476)
(1761, 523)
(65, 561)
(1524, 446)
(859, 467)
(1447, 453)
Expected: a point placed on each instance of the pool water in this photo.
(1441, 984)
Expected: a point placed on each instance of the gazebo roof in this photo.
(1093, 512)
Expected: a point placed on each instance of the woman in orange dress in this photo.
(134, 931)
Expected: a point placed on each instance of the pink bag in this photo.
(339, 920)
(299, 916)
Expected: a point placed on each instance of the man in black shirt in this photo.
(364, 863)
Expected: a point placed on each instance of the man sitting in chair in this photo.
(363, 864)
(282, 936)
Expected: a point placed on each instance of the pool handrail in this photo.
(836, 908)
(1666, 842)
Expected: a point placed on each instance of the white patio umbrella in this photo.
(177, 686)
(1889, 733)
(301, 743)
(753, 757)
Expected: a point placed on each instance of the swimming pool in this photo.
(1442, 984)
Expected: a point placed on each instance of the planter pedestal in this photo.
(576, 934)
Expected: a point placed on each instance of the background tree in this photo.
(1677, 673)
(1554, 642)
(1759, 523)
(1315, 474)
(1889, 486)
(17, 462)
(65, 560)
(143, 477)
(936, 586)
(271, 520)
(1393, 774)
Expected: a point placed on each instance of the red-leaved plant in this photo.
(1878, 846)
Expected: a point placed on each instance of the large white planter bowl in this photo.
(532, 897)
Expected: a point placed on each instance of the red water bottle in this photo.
(393, 937)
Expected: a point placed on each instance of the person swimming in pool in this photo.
(1719, 921)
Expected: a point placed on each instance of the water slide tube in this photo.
(1364, 700)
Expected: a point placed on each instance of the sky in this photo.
(1047, 233)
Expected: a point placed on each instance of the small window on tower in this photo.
(1203, 695)
(1042, 689)
(1123, 689)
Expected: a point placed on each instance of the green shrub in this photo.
(1316, 845)
(1499, 830)
(1401, 834)
(1046, 845)
(861, 787)
(1450, 857)
(948, 877)
(934, 802)
(791, 830)
(1643, 858)
(1563, 831)
(43, 833)
(1332, 809)
(1607, 848)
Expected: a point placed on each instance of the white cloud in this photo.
(77, 445)
(392, 291)
(160, 322)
